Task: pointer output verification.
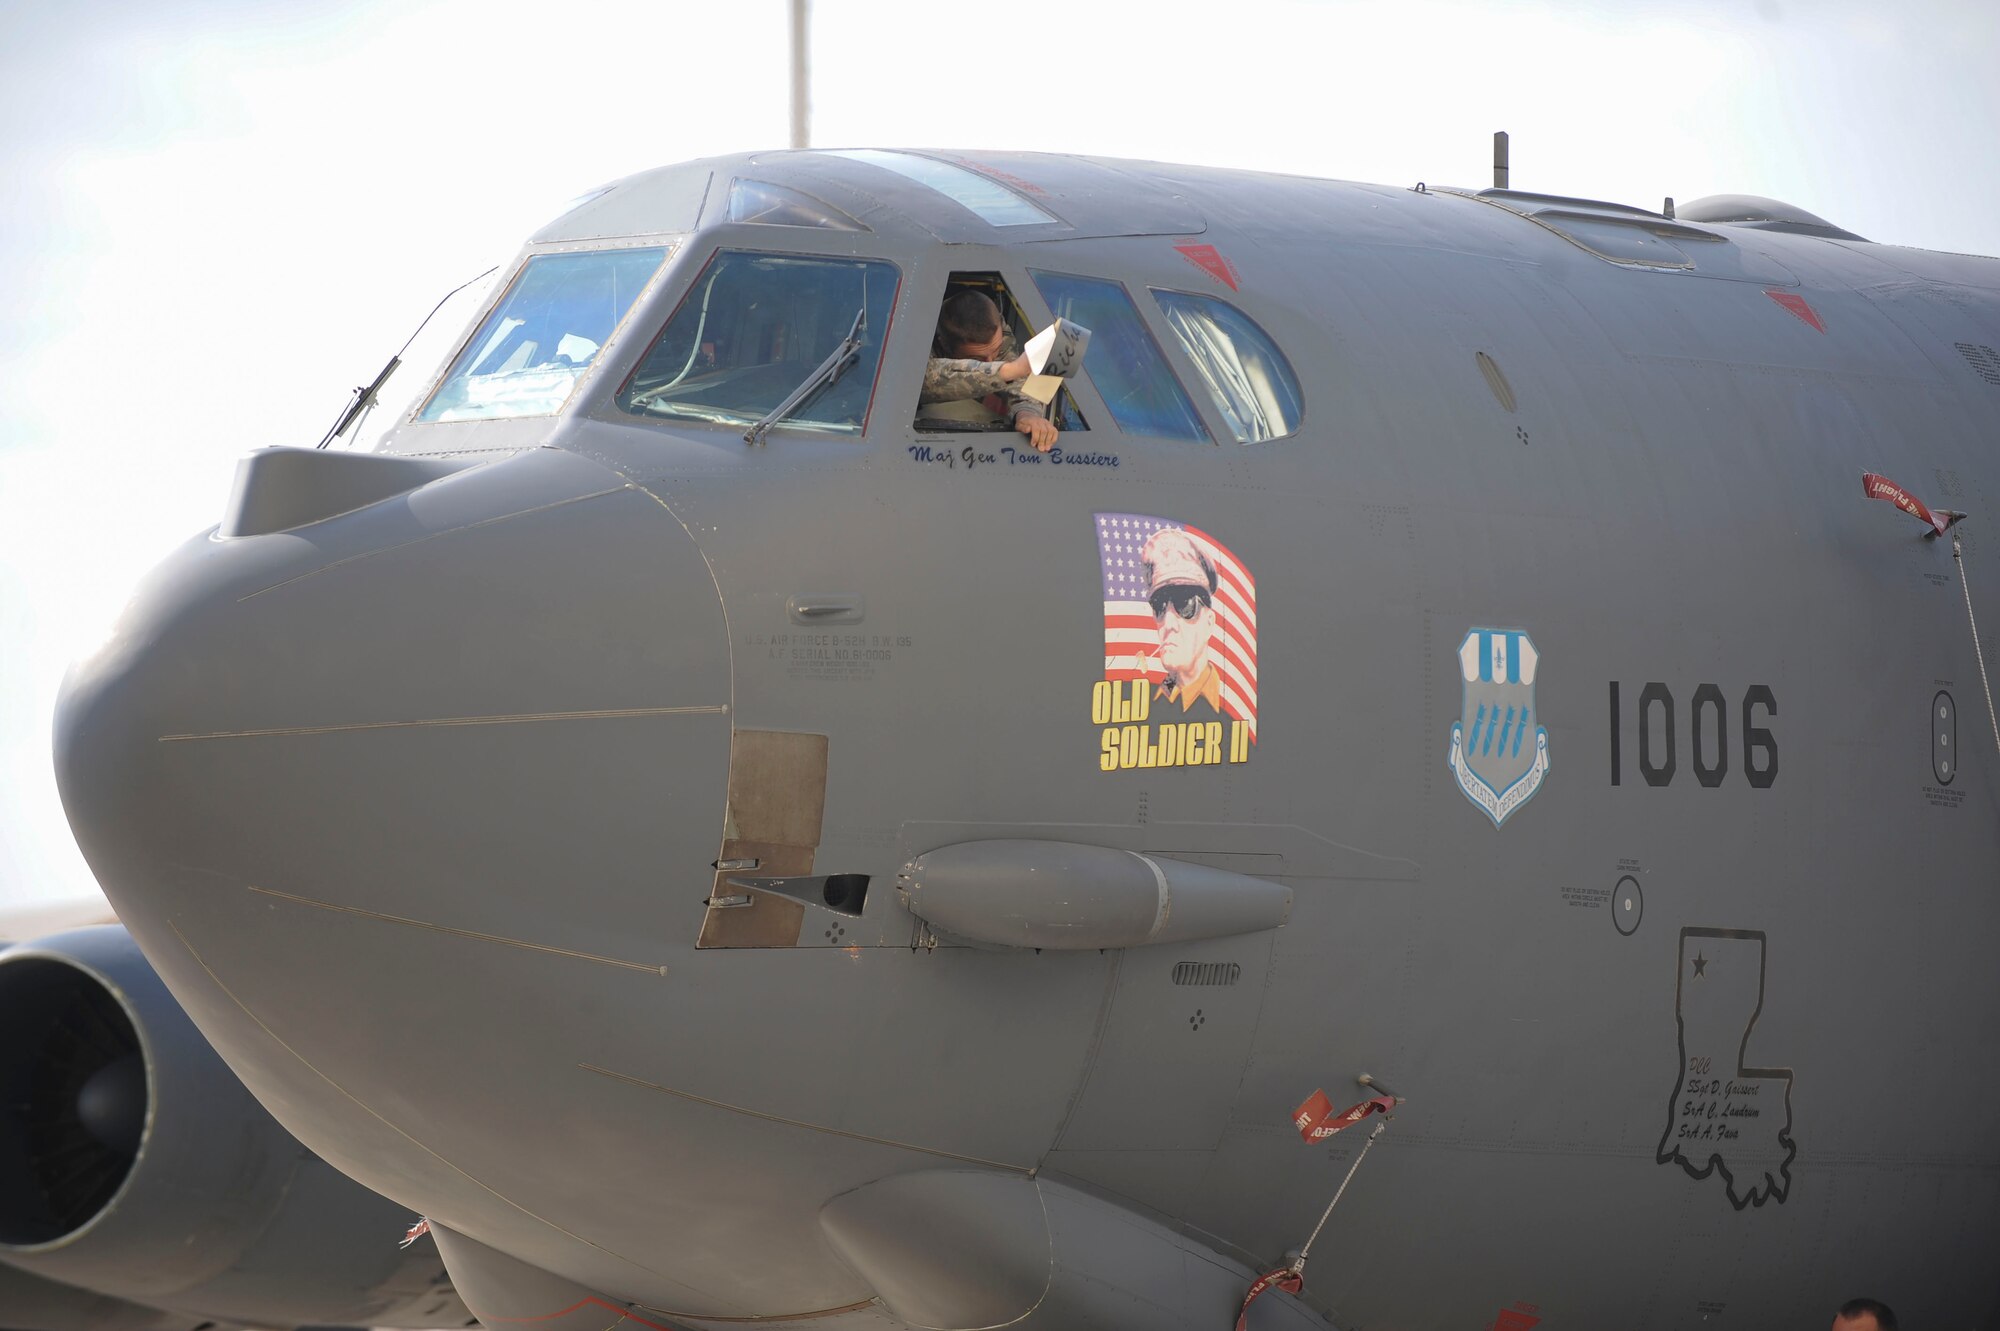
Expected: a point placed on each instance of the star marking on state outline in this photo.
(1700, 966)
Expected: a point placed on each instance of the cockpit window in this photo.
(765, 204)
(753, 328)
(1123, 363)
(1248, 377)
(557, 315)
(988, 200)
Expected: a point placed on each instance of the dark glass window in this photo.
(529, 353)
(992, 202)
(774, 205)
(1248, 377)
(1123, 363)
(752, 328)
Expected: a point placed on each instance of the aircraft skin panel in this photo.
(1557, 692)
(33, 1303)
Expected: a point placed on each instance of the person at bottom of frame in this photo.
(1864, 1315)
(975, 358)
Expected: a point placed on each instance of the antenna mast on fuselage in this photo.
(801, 107)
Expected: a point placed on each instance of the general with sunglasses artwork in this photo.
(1180, 588)
(1180, 647)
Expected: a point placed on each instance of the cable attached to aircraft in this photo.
(1940, 521)
(1316, 1121)
(1977, 650)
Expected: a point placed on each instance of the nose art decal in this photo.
(1180, 647)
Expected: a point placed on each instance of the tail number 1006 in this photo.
(1708, 735)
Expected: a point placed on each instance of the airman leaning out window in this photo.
(974, 357)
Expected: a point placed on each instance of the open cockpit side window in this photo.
(961, 402)
(756, 327)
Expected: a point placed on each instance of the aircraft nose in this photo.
(507, 686)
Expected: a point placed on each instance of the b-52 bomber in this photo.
(727, 843)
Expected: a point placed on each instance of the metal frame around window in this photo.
(736, 245)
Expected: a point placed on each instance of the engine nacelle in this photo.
(133, 1163)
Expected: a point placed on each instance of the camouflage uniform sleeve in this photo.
(960, 380)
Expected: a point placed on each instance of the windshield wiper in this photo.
(838, 363)
(365, 395)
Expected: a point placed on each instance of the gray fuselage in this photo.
(417, 807)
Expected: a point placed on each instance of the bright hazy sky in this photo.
(220, 215)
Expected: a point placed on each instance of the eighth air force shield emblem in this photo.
(1499, 765)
